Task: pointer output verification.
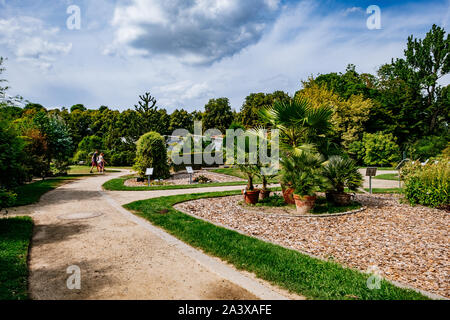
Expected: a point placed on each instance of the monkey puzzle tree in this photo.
(148, 110)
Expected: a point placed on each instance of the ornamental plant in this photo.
(152, 153)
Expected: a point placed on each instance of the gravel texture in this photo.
(407, 244)
(182, 178)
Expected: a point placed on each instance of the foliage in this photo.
(349, 115)
(341, 173)
(429, 147)
(12, 167)
(429, 185)
(218, 114)
(7, 199)
(300, 124)
(15, 237)
(256, 102)
(290, 269)
(152, 153)
(377, 149)
(122, 158)
(303, 172)
(181, 119)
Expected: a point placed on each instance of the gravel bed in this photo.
(182, 178)
(407, 244)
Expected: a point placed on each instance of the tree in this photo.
(152, 153)
(426, 61)
(147, 108)
(301, 125)
(181, 119)
(218, 115)
(248, 115)
(429, 61)
(349, 115)
(78, 107)
(12, 157)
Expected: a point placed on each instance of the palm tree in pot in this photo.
(251, 194)
(341, 173)
(304, 173)
(302, 127)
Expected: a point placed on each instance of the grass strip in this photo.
(15, 236)
(32, 192)
(290, 269)
(387, 176)
(119, 185)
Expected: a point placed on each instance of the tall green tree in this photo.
(181, 119)
(249, 114)
(218, 115)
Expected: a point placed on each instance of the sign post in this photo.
(190, 171)
(371, 172)
(149, 173)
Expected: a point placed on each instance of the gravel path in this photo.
(408, 245)
(182, 178)
(122, 256)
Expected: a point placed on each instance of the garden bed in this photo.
(275, 205)
(182, 178)
(410, 245)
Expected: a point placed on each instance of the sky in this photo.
(186, 52)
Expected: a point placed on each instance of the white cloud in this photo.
(197, 32)
(31, 41)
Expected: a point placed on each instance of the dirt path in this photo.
(122, 256)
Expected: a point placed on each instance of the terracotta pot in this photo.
(342, 199)
(288, 195)
(264, 194)
(251, 197)
(304, 204)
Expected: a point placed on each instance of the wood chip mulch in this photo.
(407, 244)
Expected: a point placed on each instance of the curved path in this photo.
(122, 256)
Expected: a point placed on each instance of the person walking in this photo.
(102, 162)
(94, 161)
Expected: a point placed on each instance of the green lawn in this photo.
(387, 176)
(385, 191)
(235, 172)
(15, 236)
(118, 185)
(292, 270)
(32, 192)
(86, 169)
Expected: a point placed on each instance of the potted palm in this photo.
(341, 173)
(303, 172)
(251, 194)
(301, 126)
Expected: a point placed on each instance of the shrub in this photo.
(152, 153)
(341, 173)
(429, 147)
(428, 185)
(13, 169)
(376, 149)
(7, 199)
(122, 158)
(303, 172)
(82, 155)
